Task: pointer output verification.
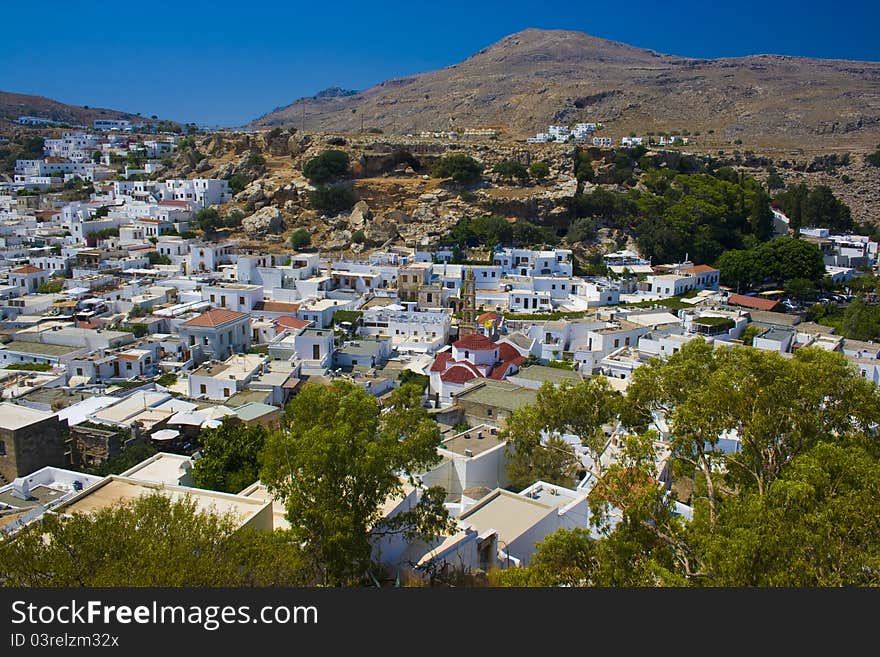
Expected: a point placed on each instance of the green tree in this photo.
(774, 180)
(332, 199)
(801, 289)
(462, 168)
(358, 237)
(761, 216)
(861, 321)
(874, 158)
(149, 541)
(329, 165)
(535, 432)
(582, 230)
(208, 219)
(512, 170)
(566, 558)
(157, 258)
(750, 332)
(539, 170)
(339, 459)
(230, 457)
(237, 182)
(300, 239)
(52, 286)
(818, 524)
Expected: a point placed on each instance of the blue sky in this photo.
(225, 62)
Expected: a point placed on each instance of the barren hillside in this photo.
(536, 77)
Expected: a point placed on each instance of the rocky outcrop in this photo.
(359, 216)
(267, 220)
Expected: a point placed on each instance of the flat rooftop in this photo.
(39, 496)
(13, 416)
(161, 468)
(115, 489)
(239, 366)
(508, 513)
(39, 348)
(477, 440)
(499, 394)
(543, 373)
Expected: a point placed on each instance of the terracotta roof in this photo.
(27, 269)
(500, 370)
(178, 204)
(215, 317)
(127, 356)
(752, 302)
(507, 351)
(458, 374)
(475, 342)
(487, 317)
(441, 360)
(276, 306)
(292, 322)
(148, 220)
(699, 269)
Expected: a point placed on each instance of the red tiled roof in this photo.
(507, 351)
(487, 317)
(27, 269)
(475, 342)
(127, 356)
(214, 317)
(699, 269)
(276, 306)
(458, 374)
(292, 322)
(752, 302)
(499, 371)
(440, 361)
(178, 204)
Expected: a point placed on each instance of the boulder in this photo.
(203, 165)
(359, 216)
(264, 221)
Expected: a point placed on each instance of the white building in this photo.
(423, 332)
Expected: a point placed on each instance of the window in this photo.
(467, 354)
(128, 365)
(226, 392)
(616, 342)
(203, 388)
(489, 412)
(2, 448)
(212, 298)
(79, 371)
(316, 352)
(241, 301)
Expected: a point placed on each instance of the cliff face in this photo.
(537, 77)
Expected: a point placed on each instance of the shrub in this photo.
(458, 166)
(332, 199)
(539, 170)
(300, 239)
(511, 170)
(358, 237)
(329, 165)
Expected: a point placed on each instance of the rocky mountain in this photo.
(537, 77)
(14, 105)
